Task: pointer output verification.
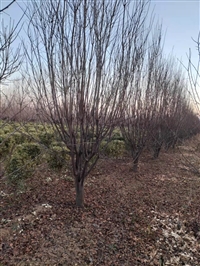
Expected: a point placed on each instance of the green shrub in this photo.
(3, 146)
(7, 129)
(46, 138)
(117, 136)
(115, 148)
(1, 131)
(29, 150)
(18, 137)
(6, 144)
(18, 169)
(58, 157)
(9, 141)
(22, 162)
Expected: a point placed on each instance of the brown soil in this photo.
(151, 217)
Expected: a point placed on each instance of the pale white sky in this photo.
(180, 19)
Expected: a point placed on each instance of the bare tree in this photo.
(140, 107)
(81, 56)
(10, 58)
(166, 99)
(191, 125)
(16, 104)
(194, 75)
(155, 109)
(177, 102)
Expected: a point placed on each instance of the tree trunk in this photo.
(79, 194)
(135, 167)
(135, 164)
(156, 152)
(135, 156)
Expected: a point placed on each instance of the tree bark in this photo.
(135, 165)
(157, 152)
(79, 194)
(135, 156)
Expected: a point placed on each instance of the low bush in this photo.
(117, 136)
(58, 156)
(46, 138)
(6, 144)
(29, 150)
(115, 148)
(22, 162)
(17, 137)
(18, 169)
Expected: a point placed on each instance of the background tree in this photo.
(194, 75)
(82, 59)
(168, 92)
(193, 111)
(16, 104)
(140, 103)
(10, 59)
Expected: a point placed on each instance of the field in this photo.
(151, 217)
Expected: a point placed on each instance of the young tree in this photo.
(82, 59)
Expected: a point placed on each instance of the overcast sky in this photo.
(180, 21)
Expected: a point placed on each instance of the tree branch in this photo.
(3, 9)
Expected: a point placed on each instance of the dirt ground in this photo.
(151, 217)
